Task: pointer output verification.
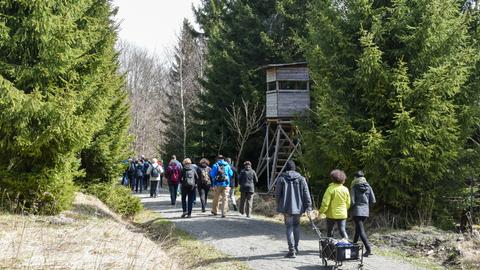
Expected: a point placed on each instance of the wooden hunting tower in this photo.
(287, 97)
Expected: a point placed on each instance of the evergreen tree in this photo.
(242, 36)
(391, 81)
(57, 80)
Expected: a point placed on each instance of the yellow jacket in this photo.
(336, 202)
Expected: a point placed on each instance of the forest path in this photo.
(260, 243)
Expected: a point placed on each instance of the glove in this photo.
(322, 216)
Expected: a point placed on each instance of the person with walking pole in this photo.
(293, 199)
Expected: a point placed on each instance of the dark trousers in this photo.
(187, 200)
(341, 225)
(138, 183)
(173, 189)
(153, 188)
(146, 181)
(292, 222)
(131, 181)
(246, 201)
(203, 191)
(360, 232)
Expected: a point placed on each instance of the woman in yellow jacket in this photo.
(335, 204)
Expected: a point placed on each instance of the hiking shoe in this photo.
(183, 215)
(203, 210)
(235, 208)
(291, 254)
(367, 253)
(213, 213)
(223, 216)
(189, 216)
(296, 250)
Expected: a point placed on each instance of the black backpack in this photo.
(155, 173)
(188, 178)
(221, 174)
(139, 170)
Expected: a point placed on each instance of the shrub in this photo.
(117, 197)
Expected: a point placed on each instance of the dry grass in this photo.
(191, 253)
(88, 237)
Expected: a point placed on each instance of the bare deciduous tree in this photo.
(147, 82)
(244, 120)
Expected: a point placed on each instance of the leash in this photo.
(314, 227)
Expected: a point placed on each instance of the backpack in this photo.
(205, 176)
(139, 170)
(155, 173)
(221, 174)
(174, 173)
(188, 178)
(131, 168)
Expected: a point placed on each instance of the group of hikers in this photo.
(188, 179)
(291, 192)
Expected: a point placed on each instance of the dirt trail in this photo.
(258, 242)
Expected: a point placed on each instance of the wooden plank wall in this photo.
(271, 75)
(272, 105)
(292, 74)
(292, 103)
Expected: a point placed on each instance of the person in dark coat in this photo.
(189, 183)
(293, 199)
(361, 196)
(204, 181)
(247, 181)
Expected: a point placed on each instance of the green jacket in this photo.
(336, 202)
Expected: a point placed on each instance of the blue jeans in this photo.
(173, 188)
(341, 224)
(187, 205)
(293, 230)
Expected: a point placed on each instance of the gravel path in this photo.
(258, 242)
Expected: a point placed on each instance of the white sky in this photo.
(153, 24)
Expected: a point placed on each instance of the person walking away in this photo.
(293, 199)
(361, 197)
(138, 176)
(233, 184)
(173, 173)
(146, 177)
(247, 181)
(154, 171)
(189, 182)
(204, 182)
(221, 174)
(131, 173)
(335, 204)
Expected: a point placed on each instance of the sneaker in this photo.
(189, 216)
(203, 210)
(213, 213)
(223, 216)
(367, 253)
(183, 215)
(291, 254)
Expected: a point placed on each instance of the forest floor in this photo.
(89, 236)
(260, 242)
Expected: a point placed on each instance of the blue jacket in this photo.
(228, 172)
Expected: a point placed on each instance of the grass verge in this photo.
(188, 252)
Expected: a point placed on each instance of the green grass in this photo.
(190, 252)
(422, 262)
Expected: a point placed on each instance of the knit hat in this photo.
(290, 166)
(359, 174)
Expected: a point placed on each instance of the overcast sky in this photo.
(153, 24)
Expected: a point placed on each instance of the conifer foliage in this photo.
(391, 81)
(60, 99)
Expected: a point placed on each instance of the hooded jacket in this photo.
(362, 196)
(248, 179)
(292, 194)
(228, 172)
(335, 202)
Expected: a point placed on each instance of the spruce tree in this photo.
(56, 83)
(242, 36)
(390, 77)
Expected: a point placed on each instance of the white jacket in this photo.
(160, 171)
